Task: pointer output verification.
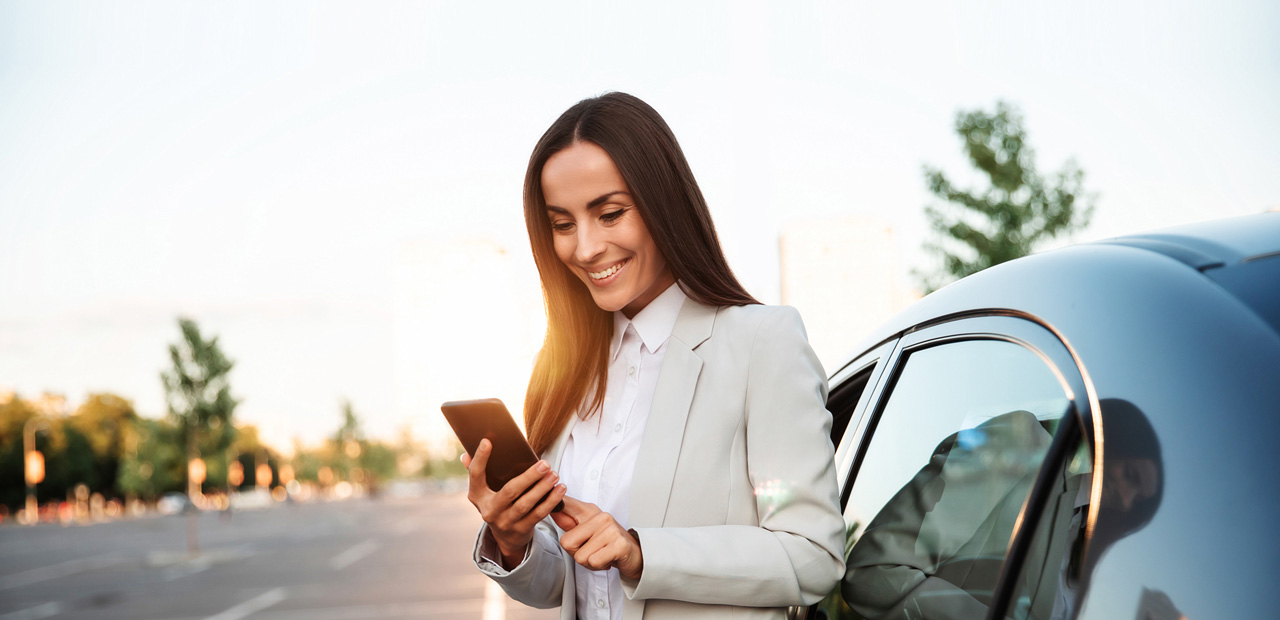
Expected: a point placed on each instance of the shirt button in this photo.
(631, 371)
(617, 428)
(600, 603)
(595, 473)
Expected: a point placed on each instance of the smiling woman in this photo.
(682, 423)
(599, 234)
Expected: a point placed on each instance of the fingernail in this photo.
(543, 467)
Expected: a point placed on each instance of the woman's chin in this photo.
(608, 302)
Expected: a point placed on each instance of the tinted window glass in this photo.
(950, 464)
(842, 402)
(1046, 586)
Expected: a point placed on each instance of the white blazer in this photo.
(734, 494)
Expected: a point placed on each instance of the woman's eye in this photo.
(612, 215)
(562, 226)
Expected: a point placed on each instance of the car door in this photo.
(960, 430)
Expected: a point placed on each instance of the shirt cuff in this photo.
(487, 550)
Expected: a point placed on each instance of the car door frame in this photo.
(1007, 325)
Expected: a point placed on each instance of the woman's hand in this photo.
(513, 511)
(597, 541)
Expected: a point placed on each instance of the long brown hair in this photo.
(575, 354)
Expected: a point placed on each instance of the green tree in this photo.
(14, 413)
(348, 442)
(153, 464)
(249, 451)
(198, 394)
(1019, 208)
(107, 423)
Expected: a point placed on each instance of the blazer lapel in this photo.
(664, 431)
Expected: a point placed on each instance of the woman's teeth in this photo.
(600, 275)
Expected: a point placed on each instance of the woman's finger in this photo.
(574, 537)
(477, 463)
(564, 521)
(609, 554)
(579, 510)
(533, 496)
(477, 489)
(544, 508)
(515, 487)
(601, 550)
(578, 536)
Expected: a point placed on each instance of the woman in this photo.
(686, 420)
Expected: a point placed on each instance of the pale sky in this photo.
(258, 166)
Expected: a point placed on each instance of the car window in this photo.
(843, 401)
(951, 460)
(1047, 584)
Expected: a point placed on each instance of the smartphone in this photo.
(488, 418)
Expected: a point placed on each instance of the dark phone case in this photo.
(488, 418)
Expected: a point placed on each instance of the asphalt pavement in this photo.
(406, 557)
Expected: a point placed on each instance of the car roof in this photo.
(1044, 284)
(1204, 245)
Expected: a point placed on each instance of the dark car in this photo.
(1090, 432)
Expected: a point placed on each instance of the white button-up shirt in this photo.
(600, 455)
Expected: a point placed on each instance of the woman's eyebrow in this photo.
(605, 198)
(595, 202)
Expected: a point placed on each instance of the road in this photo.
(384, 558)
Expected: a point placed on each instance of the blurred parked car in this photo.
(1089, 432)
(175, 503)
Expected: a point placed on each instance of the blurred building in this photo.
(468, 323)
(845, 277)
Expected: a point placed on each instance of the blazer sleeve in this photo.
(538, 580)
(795, 555)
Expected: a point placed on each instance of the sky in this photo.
(262, 169)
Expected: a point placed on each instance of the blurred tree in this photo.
(350, 428)
(306, 462)
(198, 394)
(154, 463)
(1018, 210)
(14, 413)
(379, 460)
(69, 461)
(249, 450)
(349, 443)
(107, 423)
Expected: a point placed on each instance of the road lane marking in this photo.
(34, 613)
(495, 601)
(189, 568)
(350, 556)
(64, 569)
(251, 606)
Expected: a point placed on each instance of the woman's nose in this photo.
(591, 244)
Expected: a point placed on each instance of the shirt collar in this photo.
(653, 324)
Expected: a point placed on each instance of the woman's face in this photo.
(598, 232)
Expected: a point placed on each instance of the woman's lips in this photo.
(607, 276)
